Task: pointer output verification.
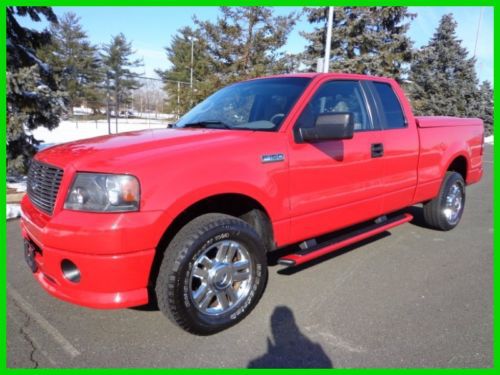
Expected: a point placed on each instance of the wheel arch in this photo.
(239, 205)
(460, 164)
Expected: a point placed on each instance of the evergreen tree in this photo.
(177, 78)
(33, 98)
(117, 63)
(364, 40)
(443, 78)
(245, 42)
(74, 61)
(485, 104)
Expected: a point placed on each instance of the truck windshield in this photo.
(260, 104)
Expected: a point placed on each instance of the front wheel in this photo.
(445, 211)
(213, 274)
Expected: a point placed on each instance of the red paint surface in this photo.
(319, 188)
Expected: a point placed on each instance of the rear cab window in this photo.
(390, 111)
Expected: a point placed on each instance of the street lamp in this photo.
(108, 77)
(192, 38)
(326, 61)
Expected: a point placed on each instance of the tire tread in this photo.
(432, 210)
(175, 253)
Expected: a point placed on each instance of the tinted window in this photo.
(337, 96)
(394, 117)
(260, 104)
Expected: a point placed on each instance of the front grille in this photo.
(43, 185)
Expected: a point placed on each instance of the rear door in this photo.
(400, 143)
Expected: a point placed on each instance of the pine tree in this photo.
(244, 42)
(443, 78)
(364, 40)
(117, 62)
(74, 61)
(33, 97)
(485, 104)
(177, 78)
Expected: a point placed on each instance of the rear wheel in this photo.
(445, 211)
(213, 274)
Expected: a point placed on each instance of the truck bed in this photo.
(446, 121)
(442, 140)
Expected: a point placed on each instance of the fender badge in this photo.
(272, 158)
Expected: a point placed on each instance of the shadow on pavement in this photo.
(418, 216)
(289, 348)
(273, 257)
(152, 305)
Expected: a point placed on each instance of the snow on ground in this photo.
(489, 139)
(19, 186)
(68, 131)
(13, 210)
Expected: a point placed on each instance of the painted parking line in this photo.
(39, 348)
(42, 322)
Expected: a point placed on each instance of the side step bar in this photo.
(343, 240)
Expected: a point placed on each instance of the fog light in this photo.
(70, 271)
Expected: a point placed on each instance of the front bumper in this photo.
(113, 253)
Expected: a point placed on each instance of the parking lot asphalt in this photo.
(412, 297)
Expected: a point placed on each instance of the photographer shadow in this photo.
(289, 348)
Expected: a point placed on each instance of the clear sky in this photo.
(151, 28)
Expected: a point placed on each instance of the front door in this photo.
(336, 183)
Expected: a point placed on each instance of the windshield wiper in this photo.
(206, 124)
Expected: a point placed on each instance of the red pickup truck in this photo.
(185, 215)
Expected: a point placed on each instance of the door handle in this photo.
(377, 150)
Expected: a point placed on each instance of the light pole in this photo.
(326, 61)
(192, 63)
(192, 38)
(108, 74)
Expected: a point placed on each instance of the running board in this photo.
(343, 240)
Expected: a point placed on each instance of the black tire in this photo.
(174, 283)
(434, 210)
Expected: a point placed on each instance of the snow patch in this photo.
(68, 131)
(13, 210)
(45, 67)
(19, 186)
(489, 140)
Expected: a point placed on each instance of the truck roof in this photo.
(333, 75)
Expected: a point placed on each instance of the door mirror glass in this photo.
(329, 126)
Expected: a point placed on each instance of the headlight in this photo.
(101, 192)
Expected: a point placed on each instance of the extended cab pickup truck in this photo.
(185, 215)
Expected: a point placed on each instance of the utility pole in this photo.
(326, 60)
(192, 62)
(108, 103)
(191, 73)
(117, 105)
(178, 99)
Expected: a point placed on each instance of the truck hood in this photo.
(108, 152)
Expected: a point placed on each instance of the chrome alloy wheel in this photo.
(221, 278)
(453, 204)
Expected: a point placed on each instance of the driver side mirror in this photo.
(329, 126)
